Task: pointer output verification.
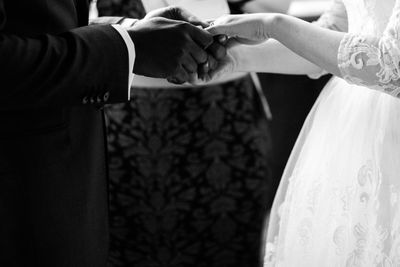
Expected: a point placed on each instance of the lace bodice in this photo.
(369, 54)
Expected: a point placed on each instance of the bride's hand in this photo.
(226, 65)
(229, 63)
(246, 29)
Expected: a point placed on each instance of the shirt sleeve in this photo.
(121, 29)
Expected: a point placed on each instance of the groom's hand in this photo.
(177, 13)
(166, 47)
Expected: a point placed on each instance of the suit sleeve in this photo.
(87, 65)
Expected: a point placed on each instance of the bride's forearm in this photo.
(318, 45)
(273, 57)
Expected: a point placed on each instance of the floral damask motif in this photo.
(126, 8)
(189, 177)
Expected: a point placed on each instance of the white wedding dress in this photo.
(338, 203)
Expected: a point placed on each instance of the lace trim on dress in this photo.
(360, 237)
(365, 61)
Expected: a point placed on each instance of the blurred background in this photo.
(194, 170)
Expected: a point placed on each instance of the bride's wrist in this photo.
(272, 22)
(240, 62)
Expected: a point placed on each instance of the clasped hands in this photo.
(170, 43)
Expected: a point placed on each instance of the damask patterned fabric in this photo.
(125, 8)
(189, 177)
(189, 168)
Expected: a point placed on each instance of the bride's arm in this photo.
(368, 60)
(315, 44)
(363, 59)
(272, 57)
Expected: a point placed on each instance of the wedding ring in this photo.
(206, 65)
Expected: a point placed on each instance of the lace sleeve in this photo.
(335, 18)
(373, 61)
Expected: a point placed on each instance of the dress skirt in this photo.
(338, 203)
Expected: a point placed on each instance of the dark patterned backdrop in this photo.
(126, 8)
(189, 174)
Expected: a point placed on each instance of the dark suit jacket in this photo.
(55, 74)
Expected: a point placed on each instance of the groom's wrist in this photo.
(131, 53)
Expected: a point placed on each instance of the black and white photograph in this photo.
(199, 133)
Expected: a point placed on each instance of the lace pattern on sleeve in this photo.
(372, 61)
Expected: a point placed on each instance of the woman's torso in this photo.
(368, 16)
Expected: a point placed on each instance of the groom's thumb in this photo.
(219, 29)
(184, 15)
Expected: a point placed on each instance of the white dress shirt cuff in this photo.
(130, 46)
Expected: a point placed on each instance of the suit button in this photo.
(106, 96)
(85, 100)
